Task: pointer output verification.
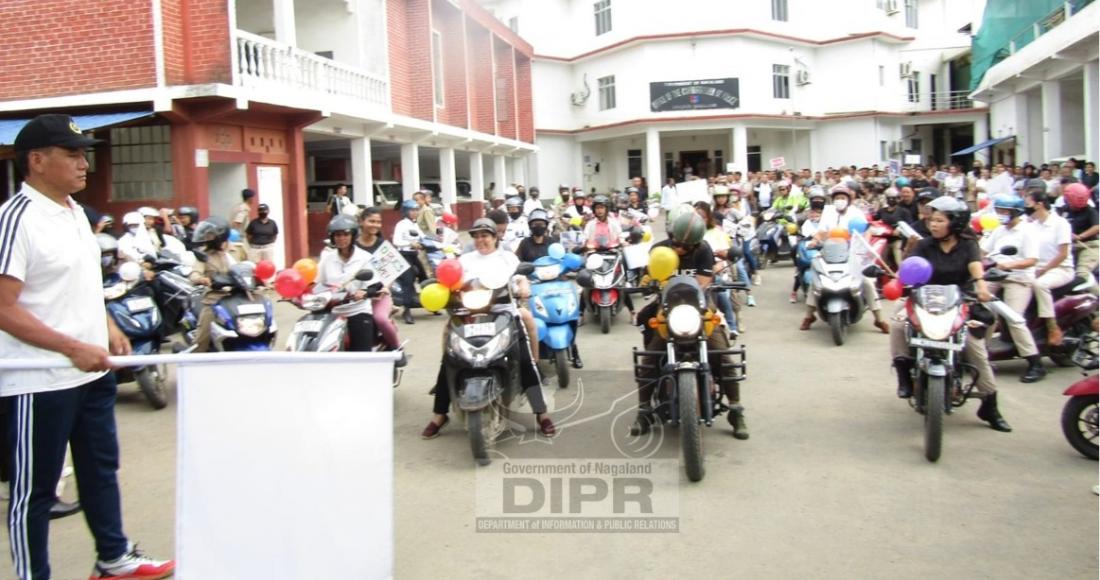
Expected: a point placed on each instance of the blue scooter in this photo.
(555, 303)
(131, 303)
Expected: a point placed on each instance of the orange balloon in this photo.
(839, 233)
(307, 268)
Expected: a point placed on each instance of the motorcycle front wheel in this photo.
(151, 382)
(933, 417)
(1080, 424)
(605, 319)
(838, 326)
(561, 365)
(691, 432)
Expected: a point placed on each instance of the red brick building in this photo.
(202, 98)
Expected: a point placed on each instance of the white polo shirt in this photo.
(1052, 233)
(52, 250)
(1024, 238)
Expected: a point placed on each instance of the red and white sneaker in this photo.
(133, 565)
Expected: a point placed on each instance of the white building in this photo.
(816, 83)
(1043, 96)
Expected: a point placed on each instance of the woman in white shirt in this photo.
(337, 269)
(1055, 266)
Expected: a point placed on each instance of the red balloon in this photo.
(976, 224)
(290, 284)
(983, 203)
(892, 290)
(265, 270)
(449, 273)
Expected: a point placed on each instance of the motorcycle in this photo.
(243, 320)
(177, 298)
(1081, 417)
(605, 298)
(131, 303)
(324, 328)
(481, 358)
(773, 241)
(881, 234)
(838, 288)
(555, 304)
(937, 331)
(687, 396)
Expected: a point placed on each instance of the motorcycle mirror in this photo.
(584, 279)
(364, 275)
(995, 275)
(1009, 251)
(873, 271)
(525, 269)
(149, 259)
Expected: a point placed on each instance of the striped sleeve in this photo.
(13, 238)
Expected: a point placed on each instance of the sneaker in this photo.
(133, 566)
(794, 297)
(750, 300)
(755, 279)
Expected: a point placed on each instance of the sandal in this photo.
(432, 430)
(546, 427)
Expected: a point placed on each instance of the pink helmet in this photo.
(1077, 196)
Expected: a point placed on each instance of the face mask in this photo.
(263, 215)
(106, 261)
(538, 230)
(1004, 219)
(840, 204)
(513, 214)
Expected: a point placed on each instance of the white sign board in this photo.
(778, 163)
(731, 167)
(912, 159)
(692, 191)
(388, 264)
(285, 469)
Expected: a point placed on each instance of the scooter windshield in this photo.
(684, 290)
(835, 252)
(937, 299)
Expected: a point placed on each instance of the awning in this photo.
(9, 128)
(982, 145)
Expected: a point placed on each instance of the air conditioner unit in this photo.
(892, 7)
(802, 77)
(906, 69)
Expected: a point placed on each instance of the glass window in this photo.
(634, 162)
(779, 10)
(141, 163)
(437, 67)
(781, 81)
(607, 92)
(603, 16)
(911, 7)
(914, 87)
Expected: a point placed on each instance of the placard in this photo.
(912, 159)
(941, 176)
(388, 264)
(778, 163)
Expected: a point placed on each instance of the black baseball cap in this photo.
(52, 130)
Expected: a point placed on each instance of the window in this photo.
(883, 152)
(911, 7)
(781, 81)
(607, 92)
(513, 23)
(603, 16)
(141, 163)
(634, 163)
(779, 10)
(437, 67)
(881, 75)
(719, 162)
(916, 146)
(914, 87)
(670, 164)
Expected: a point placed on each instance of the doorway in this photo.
(269, 183)
(226, 182)
(754, 158)
(697, 161)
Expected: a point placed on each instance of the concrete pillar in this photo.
(741, 149)
(477, 176)
(1091, 103)
(1020, 128)
(500, 174)
(285, 31)
(448, 187)
(981, 133)
(362, 172)
(519, 170)
(410, 170)
(1052, 120)
(653, 159)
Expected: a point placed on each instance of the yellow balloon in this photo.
(647, 236)
(792, 229)
(663, 262)
(576, 221)
(989, 222)
(434, 297)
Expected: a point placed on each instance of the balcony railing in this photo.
(942, 101)
(1046, 23)
(267, 64)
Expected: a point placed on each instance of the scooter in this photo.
(243, 320)
(1074, 311)
(555, 304)
(838, 288)
(131, 303)
(178, 299)
(774, 242)
(1081, 416)
(605, 298)
(881, 234)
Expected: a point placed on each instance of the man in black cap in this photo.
(51, 308)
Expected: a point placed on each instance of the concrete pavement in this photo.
(832, 484)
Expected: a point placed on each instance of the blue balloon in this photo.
(234, 235)
(857, 224)
(557, 251)
(572, 262)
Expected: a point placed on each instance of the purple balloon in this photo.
(915, 271)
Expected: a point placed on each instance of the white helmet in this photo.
(147, 211)
(132, 218)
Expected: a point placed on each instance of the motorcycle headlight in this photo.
(935, 326)
(480, 355)
(315, 302)
(548, 272)
(333, 338)
(251, 325)
(539, 306)
(593, 262)
(684, 320)
(477, 299)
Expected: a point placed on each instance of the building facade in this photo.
(628, 88)
(199, 99)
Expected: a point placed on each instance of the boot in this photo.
(989, 413)
(407, 316)
(736, 419)
(643, 423)
(577, 362)
(1035, 371)
(904, 367)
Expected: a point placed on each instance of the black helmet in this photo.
(484, 225)
(957, 212)
(343, 223)
(213, 230)
(190, 211)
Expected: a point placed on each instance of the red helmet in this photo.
(1077, 196)
(450, 219)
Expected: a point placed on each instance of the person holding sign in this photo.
(370, 240)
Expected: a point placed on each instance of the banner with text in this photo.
(691, 95)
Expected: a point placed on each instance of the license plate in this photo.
(937, 344)
(308, 326)
(245, 309)
(480, 329)
(139, 304)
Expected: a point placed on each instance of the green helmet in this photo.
(688, 229)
